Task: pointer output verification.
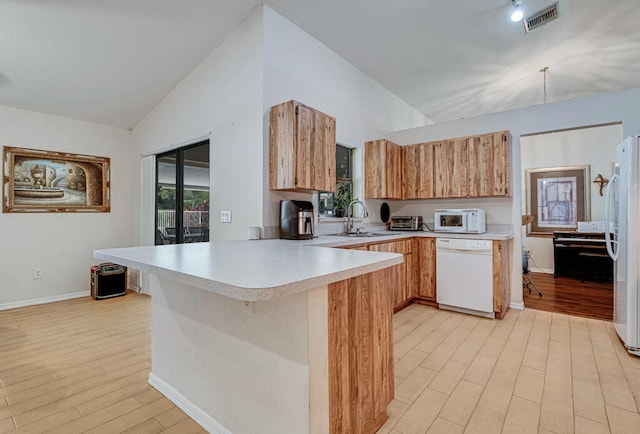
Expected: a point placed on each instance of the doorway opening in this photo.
(560, 252)
(182, 195)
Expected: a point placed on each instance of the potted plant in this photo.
(341, 199)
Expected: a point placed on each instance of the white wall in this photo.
(299, 67)
(266, 61)
(599, 109)
(222, 96)
(593, 146)
(61, 244)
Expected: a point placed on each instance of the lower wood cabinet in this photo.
(415, 278)
(427, 269)
(361, 376)
(501, 276)
(401, 294)
(412, 268)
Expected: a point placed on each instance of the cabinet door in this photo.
(412, 268)
(398, 273)
(302, 149)
(382, 170)
(315, 150)
(417, 176)
(489, 165)
(451, 161)
(501, 276)
(394, 171)
(427, 268)
(282, 135)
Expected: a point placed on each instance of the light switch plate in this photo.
(225, 216)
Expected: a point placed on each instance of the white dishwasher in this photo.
(464, 275)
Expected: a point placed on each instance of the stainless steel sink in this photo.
(364, 234)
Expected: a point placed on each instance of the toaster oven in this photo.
(406, 223)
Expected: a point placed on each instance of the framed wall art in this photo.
(47, 181)
(558, 198)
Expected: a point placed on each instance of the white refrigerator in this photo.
(622, 212)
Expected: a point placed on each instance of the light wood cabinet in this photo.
(415, 279)
(412, 268)
(427, 269)
(360, 361)
(399, 273)
(451, 168)
(501, 276)
(417, 173)
(302, 148)
(489, 165)
(383, 170)
(474, 166)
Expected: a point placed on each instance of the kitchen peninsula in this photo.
(270, 336)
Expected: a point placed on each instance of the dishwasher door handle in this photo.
(467, 251)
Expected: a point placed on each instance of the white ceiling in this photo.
(112, 61)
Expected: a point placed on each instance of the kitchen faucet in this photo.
(349, 221)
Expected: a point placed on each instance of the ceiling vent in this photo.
(541, 18)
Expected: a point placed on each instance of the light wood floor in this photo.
(81, 366)
(532, 372)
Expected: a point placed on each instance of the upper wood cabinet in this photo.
(302, 148)
(474, 166)
(383, 170)
(489, 165)
(451, 169)
(417, 174)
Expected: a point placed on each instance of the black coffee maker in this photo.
(296, 220)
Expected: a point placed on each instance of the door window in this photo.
(182, 195)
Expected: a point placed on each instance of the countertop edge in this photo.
(342, 241)
(257, 293)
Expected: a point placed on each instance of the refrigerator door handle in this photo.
(613, 252)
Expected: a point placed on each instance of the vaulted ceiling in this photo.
(112, 61)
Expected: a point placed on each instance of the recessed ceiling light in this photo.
(516, 14)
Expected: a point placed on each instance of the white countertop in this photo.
(252, 270)
(267, 269)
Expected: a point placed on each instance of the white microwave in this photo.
(462, 221)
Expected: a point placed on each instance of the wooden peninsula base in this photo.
(319, 361)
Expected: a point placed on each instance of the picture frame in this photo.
(36, 180)
(558, 198)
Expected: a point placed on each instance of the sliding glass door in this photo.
(182, 195)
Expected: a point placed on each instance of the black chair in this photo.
(162, 238)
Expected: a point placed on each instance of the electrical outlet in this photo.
(37, 273)
(225, 216)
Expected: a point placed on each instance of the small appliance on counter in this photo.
(406, 223)
(296, 220)
(108, 280)
(461, 221)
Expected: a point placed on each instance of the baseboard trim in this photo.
(517, 306)
(192, 410)
(541, 270)
(43, 300)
